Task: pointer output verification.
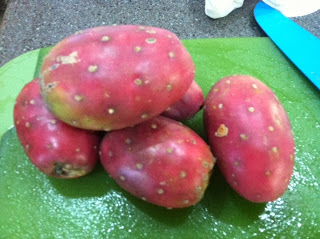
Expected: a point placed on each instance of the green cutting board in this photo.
(33, 205)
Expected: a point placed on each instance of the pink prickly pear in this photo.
(112, 77)
(250, 134)
(188, 105)
(55, 148)
(160, 161)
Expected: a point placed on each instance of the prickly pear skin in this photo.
(250, 134)
(160, 161)
(191, 102)
(55, 148)
(111, 77)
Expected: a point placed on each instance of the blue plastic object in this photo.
(299, 45)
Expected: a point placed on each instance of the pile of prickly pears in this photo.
(117, 93)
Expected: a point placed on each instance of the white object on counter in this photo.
(289, 8)
(221, 8)
(294, 8)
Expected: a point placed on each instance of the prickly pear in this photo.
(112, 77)
(55, 148)
(160, 161)
(250, 134)
(188, 105)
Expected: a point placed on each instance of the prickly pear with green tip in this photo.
(250, 134)
(160, 161)
(55, 148)
(112, 77)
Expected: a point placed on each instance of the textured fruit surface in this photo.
(55, 148)
(160, 161)
(250, 134)
(188, 105)
(111, 77)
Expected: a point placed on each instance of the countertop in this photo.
(30, 24)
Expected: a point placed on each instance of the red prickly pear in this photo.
(55, 148)
(160, 161)
(112, 77)
(250, 134)
(188, 105)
